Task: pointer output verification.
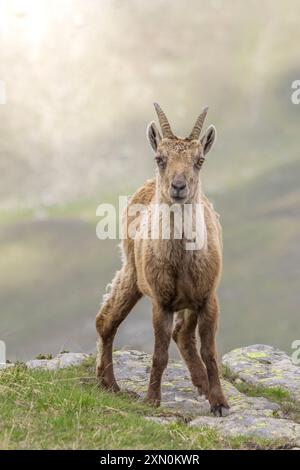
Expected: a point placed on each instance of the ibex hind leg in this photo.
(115, 308)
(184, 335)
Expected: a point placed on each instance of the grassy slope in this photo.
(66, 410)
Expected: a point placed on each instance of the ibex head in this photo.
(179, 160)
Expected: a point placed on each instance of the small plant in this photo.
(44, 356)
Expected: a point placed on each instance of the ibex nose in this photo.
(178, 182)
(178, 188)
(178, 185)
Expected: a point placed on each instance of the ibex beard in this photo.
(180, 282)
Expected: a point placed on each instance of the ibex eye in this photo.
(199, 162)
(161, 162)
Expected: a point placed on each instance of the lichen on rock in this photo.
(264, 366)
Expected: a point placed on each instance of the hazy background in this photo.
(81, 77)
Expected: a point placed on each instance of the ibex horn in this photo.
(164, 123)
(195, 134)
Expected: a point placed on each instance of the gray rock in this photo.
(251, 417)
(59, 362)
(240, 404)
(250, 425)
(265, 366)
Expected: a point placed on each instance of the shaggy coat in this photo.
(178, 281)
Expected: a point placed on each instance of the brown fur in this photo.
(176, 280)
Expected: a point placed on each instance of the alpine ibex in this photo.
(178, 281)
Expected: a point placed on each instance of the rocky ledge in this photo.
(261, 383)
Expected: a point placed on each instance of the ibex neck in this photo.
(183, 226)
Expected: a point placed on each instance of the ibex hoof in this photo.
(220, 410)
(109, 386)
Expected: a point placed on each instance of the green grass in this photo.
(66, 410)
(288, 406)
(276, 394)
(272, 393)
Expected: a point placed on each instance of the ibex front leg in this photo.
(117, 305)
(208, 321)
(163, 324)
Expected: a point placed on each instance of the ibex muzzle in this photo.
(178, 190)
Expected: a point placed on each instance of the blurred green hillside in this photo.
(80, 80)
(55, 272)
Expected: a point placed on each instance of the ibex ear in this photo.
(153, 135)
(208, 139)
